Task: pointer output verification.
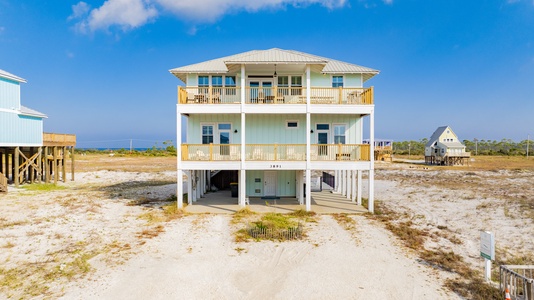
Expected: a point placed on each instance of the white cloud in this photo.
(130, 14)
(388, 1)
(127, 14)
(79, 10)
(201, 11)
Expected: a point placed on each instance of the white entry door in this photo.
(269, 185)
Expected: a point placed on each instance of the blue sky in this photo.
(99, 69)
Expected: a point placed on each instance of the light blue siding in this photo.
(20, 130)
(9, 94)
(271, 129)
(353, 80)
(285, 186)
(320, 80)
(194, 128)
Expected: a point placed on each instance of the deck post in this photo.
(179, 188)
(31, 169)
(189, 187)
(46, 166)
(242, 173)
(342, 182)
(39, 165)
(72, 162)
(179, 171)
(63, 163)
(349, 184)
(16, 164)
(353, 184)
(55, 166)
(359, 195)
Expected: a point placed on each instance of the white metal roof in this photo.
(8, 75)
(274, 56)
(30, 112)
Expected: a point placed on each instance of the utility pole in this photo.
(409, 150)
(476, 146)
(130, 146)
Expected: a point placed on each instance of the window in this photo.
(296, 85)
(229, 81)
(203, 81)
(339, 134)
(323, 126)
(216, 81)
(207, 134)
(225, 126)
(230, 84)
(296, 81)
(283, 81)
(337, 81)
(292, 124)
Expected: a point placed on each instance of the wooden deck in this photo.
(59, 139)
(275, 95)
(275, 152)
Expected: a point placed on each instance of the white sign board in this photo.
(487, 245)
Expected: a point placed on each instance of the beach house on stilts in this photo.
(274, 117)
(26, 153)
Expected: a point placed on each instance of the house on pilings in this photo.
(271, 118)
(444, 148)
(27, 154)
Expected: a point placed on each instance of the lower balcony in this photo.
(275, 152)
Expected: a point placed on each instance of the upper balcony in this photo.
(275, 152)
(275, 95)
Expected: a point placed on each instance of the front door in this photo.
(322, 138)
(269, 186)
(224, 138)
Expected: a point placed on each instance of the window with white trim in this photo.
(337, 81)
(339, 133)
(292, 124)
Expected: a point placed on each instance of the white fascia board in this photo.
(211, 165)
(210, 108)
(275, 108)
(21, 145)
(275, 165)
(340, 165)
(341, 109)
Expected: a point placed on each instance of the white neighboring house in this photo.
(444, 148)
(272, 117)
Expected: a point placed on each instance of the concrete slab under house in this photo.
(269, 122)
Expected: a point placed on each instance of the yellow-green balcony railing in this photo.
(275, 152)
(275, 95)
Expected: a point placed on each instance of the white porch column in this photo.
(197, 186)
(179, 172)
(190, 187)
(308, 139)
(349, 187)
(308, 190)
(359, 196)
(353, 184)
(336, 180)
(372, 163)
(202, 183)
(242, 173)
(242, 187)
(301, 187)
(343, 182)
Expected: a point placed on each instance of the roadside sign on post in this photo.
(487, 250)
(487, 245)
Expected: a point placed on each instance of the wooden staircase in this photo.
(3, 183)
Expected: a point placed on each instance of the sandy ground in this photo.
(100, 238)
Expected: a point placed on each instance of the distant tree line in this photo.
(476, 147)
